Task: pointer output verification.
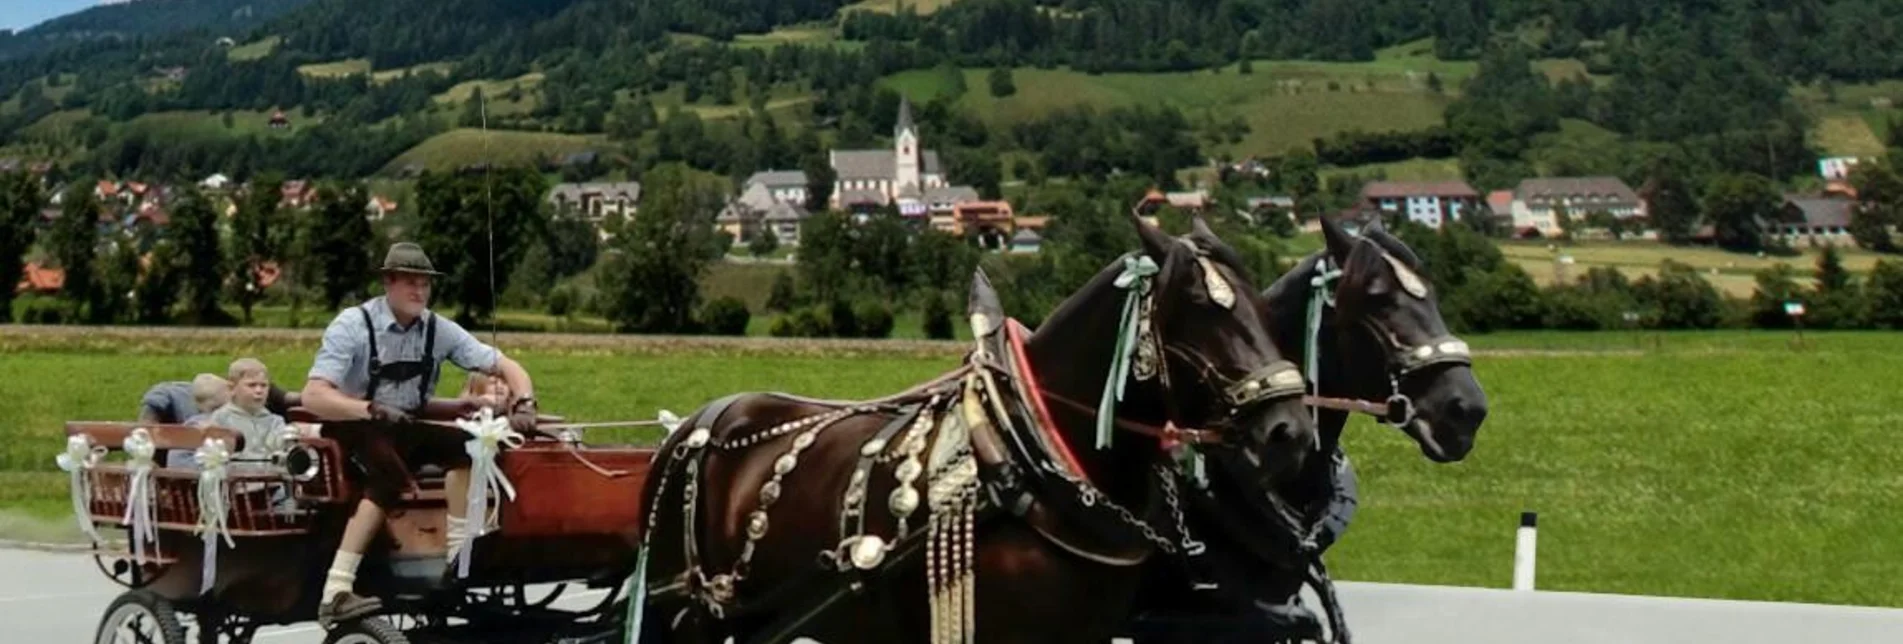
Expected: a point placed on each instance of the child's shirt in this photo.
(258, 428)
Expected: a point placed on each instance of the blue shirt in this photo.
(344, 358)
(168, 402)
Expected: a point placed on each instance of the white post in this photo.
(1523, 552)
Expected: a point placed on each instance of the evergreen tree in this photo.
(74, 241)
(195, 226)
(20, 203)
(653, 270)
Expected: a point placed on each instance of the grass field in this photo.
(1730, 272)
(468, 145)
(255, 50)
(336, 68)
(1698, 466)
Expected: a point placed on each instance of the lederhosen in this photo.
(386, 455)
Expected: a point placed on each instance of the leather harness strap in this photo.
(404, 369)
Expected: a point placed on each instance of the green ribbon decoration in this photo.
(1319, 295)
(1137, 270)
(637, 596)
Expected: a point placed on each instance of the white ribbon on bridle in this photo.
(669, 421)
(139, 498)
(80, 456)
(489, 434)
(214, 459)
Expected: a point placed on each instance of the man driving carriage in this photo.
(368, 387)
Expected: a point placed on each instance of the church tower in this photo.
(905, 152)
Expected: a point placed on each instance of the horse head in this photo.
(1385, 312)
(1202, 363)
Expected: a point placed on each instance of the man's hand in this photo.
(387, 414)
(522, 416)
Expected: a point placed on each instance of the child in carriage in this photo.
(247, 414)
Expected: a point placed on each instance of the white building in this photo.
(1536, 202)
(902, 174)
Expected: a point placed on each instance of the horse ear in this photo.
(1375, 226)
(986, 311)
(1156, 243)
(1200, 226)
(1340, 243)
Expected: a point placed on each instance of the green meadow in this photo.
(1711, 464)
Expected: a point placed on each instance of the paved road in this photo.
(55, 598)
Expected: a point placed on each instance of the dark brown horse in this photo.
(1367, 326)
(1022, 518)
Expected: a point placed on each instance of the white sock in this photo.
(456, 537)
(343, 575)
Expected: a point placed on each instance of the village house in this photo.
(789, 186)
(1193, 201)
(380, 207)
(596, 201)
(756, 210)
(1537, 202)
(1814, 221)
(297, 194)
(1430, 203)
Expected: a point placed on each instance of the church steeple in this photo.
(905, 119)
(905, 151)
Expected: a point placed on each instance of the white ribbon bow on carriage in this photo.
(81, 455)
(214, 459)
(139, 497)
(489, 434)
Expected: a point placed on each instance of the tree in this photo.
(20, 203)
(781, 297)
(258, 237)
(820, 177)
(764, 243)
(1671, 205)
(1886, 294)
(1879, 205)
(1737, 205)
(1001, 83)
(73, 242)
(825, 257)
(460, 215)
(474, 110)
(341, 243)
(1679, 298)
(1776, 285)
(652, 274)
(195, 227)
(1839, 301)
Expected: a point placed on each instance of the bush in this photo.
(561, 301)
(782, 297)
(840, 319)
(725, 316)
(43, 310)
(938, 321)
(809, 322)
(873, 318)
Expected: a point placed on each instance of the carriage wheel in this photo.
(370, 630)
(140, 617)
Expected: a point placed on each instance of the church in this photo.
(904, 174)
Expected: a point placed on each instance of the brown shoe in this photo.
(344, 607)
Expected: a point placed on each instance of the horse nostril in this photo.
(1466, 411)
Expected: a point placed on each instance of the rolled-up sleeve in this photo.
(464, 349)
(340, 343)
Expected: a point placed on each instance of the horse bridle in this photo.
(1403, 360)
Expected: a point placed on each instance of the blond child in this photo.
(209, 394)
(487, 390)
(245, 413)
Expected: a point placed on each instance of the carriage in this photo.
(573, 521)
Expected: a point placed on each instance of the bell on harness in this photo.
(420, 369)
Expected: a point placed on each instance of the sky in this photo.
(20, 14)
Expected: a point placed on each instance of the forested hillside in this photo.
(144, 18)
(1495, 90)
